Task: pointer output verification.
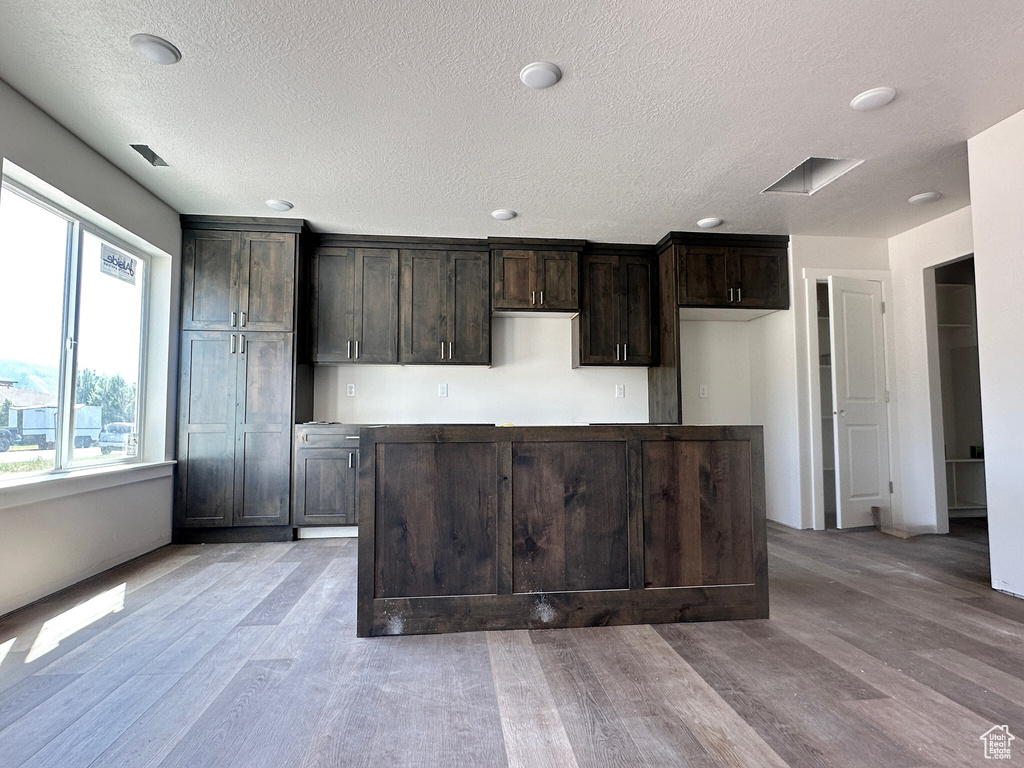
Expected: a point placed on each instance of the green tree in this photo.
(87, 387)
(5, 412)
(113, 394)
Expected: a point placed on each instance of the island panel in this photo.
(569, 516)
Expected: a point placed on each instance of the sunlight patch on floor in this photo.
(74, 619)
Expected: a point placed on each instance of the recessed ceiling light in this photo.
(540, 74)
(279, 205)
(924, 197)
(156, 49)
(504, 214)
(709, 223)
(873, 99)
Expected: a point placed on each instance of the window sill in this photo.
(32, 490)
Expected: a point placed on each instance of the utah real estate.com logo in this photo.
(997, 742)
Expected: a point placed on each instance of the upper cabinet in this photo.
(355, 305)
(237, 280)
(617, 324)
(536, 275)
(444, 306)
(733, 274)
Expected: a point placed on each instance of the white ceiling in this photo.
(407, 116)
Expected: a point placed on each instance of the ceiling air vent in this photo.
(151, 157)
(811, 175)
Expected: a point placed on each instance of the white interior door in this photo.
(859, 413)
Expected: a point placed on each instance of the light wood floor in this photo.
(879, 652)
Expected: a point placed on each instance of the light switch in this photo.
(703, 390)
(442, 390)
(620, 390)
(350, 390)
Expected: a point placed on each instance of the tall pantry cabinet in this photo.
(244, 378)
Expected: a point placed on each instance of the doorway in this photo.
(960, 383)
(854, 421)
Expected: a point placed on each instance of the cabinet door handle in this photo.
(542, 298)
(616, 353)
(351, 463)
(234, 319)
(533, 297)
(241, 343)
(739, 295)
(731, 292)
(232, 343)
(357, 350)
(243, 320)
(442, 350)
(624, 356)
(449, 350)
(348, 350)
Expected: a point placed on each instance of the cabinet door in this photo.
(263, 434)
(209, 280)
(422, 306)
(335, 271)
(601, 310)
(376, 306)
(267, 284)
(639, 344)
(557, 280)
(468, 308)
(514, 284)
(704, 276)
(325, 486)
(761, 277)
(206, 429)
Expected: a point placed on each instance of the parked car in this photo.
(117, 436)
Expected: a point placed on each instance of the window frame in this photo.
(63, 461)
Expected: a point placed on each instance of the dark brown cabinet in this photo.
(444, 307)
(355, 305)
(235, 423)
(472, 527)
(241, 386)
(617, 321)
(324, 477)
(733, 276)
(539, 279)
(243, 281)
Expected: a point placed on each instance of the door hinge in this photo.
(883, 307)
(887, 395)
(890, 487)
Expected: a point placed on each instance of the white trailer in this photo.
(39, 425)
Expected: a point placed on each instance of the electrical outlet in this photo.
(350, 390)
(442, 390)
(620, 390)
(703, 390)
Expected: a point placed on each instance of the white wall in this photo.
(916, 364)
(715, 354)
(530, 382)
(774, 404)
(997, 202)
(52, 534)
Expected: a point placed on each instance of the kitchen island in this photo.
(467, 527)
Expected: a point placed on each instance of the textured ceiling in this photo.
(407, 116)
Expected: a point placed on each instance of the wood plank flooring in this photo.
(879, 652)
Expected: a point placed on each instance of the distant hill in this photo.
(37, 378)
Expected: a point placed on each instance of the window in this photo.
(71, 330)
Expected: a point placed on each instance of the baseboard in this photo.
(240, 535)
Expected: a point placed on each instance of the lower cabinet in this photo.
(234, 429)
(324, 477)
